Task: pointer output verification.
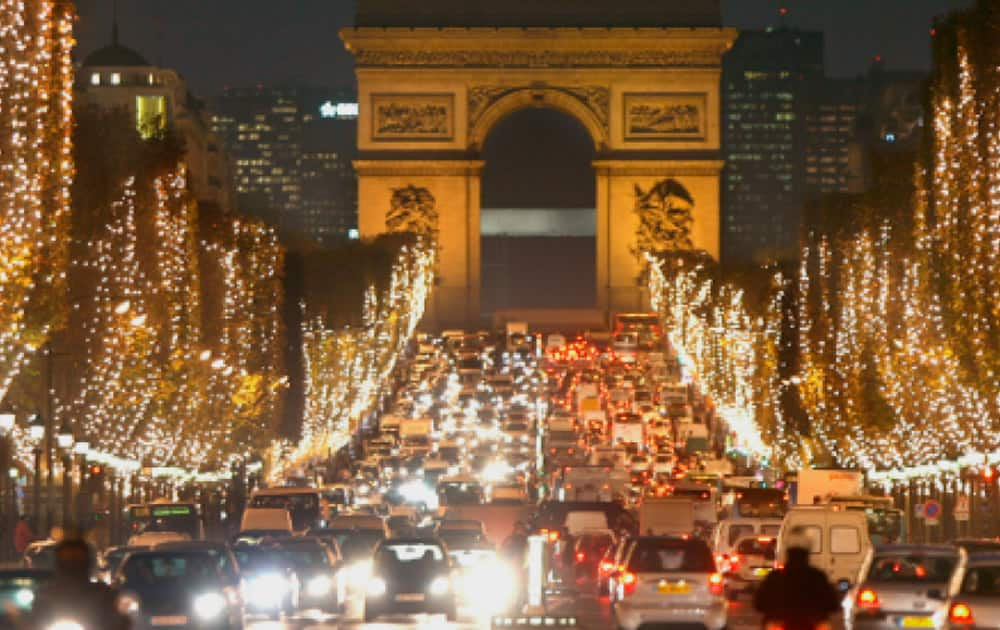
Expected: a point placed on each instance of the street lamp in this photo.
(65, 442)
(36, 429)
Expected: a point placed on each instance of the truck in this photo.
(665, 516)
(627, 428)
(819, 485)
(561, 440)
(591, 483)
(415, 435)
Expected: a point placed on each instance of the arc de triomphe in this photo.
(436, 76)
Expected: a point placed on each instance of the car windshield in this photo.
(667, 555)
(358, 542)
(982, 580)
(148, 568)
(304, 556)
(911, 568)
(757, 547)
(460, 538)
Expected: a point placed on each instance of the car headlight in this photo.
(376, 587)
(24, 598)
(209, 605)
(319, 586)
(267, 589)
(440, 586)
(65, 624)
(127, 604)
(359, 571)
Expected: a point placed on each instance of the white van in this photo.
(838, 538)
(729, 531)
(269, 521)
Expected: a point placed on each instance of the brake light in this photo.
(868, 599)
(580, 556)
(960, 614)
(734, 562)
(553, 536)
(715, 583)
(627, 579)
(607, 567)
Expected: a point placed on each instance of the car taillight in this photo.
(607, 567)
(580, 556)
(715, 583)
(868, 599)
(734, 562)
(627, 579)
(960, 614)
(553, 535)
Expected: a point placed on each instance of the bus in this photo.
(164, 516)
(304, 505)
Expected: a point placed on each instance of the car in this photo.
(316, 567)
(590, 548)
(410, 576)
(977, 602)
(460, 533)
(663, 464)
(109, 560)
(639, 463)
(608, 567)
(218, 550)
(751, 560)
(670, 580)
(18, 588)
(269, 587)
(179, 589)
(979, 545)
(905, 586)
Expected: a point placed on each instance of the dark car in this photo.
(269, 587)
(410, 576)
(177, 589)
(218, 550)
(17, 593)
(316, 566)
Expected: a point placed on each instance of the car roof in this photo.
(412, 540)
(926, 549)
(25, 572)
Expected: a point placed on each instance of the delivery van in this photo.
(838, 539)
(666, 516)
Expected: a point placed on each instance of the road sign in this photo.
(932, 512)
(962, 508)
(918, 510)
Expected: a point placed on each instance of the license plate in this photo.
(916, 622)
(680, 588)
(410, 597)
(168, 620)
(761, 571)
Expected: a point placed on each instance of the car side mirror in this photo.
(935, 594)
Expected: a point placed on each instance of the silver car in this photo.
(905, 586)
(669, 580)
(977, 603)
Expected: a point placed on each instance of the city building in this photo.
(156, 98)
(292, 150)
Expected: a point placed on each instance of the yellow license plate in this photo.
(761, 572)
(168, 620)
(679, 588)
(917, 622)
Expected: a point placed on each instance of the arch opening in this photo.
(538, 219)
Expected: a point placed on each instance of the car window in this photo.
(770, 530)
(983, 581)
(306, 556)
(845, 539)
(814, 533)
(911, 568)
(154, 568)
(739, 531)
(756, 547)
(666, 555)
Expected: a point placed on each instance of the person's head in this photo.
(797, 546)
(72, 558)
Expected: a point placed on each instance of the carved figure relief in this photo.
(664, 116)
(412, 116)
(536, 59)
(412, 209)
(665, 217)
(596, 98)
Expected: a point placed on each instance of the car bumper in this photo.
(391, 606)
(895, 622)
(631, 616)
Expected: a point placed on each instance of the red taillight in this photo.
(553, 536)
(627, 579)
(607, 567)
(960, 614)
(580, 556)
(715, 583)
(868, 599)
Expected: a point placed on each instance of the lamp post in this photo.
(36, 429)
(81, 447)
(6, 522)
(65, 442)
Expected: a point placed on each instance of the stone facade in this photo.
(648, 97)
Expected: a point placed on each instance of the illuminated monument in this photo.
(642, 76)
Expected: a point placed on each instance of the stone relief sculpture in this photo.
(412, 116)
(664, 116)
(412, 209)
(665, 217)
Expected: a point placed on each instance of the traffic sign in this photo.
(918, 510)
(932, 512)
(962, 508)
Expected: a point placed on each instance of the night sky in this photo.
(215, 43)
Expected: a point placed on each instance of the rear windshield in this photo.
(148, 568)
(982, 581)
(911, 568)
(410, 553)
(756, 547)
(739, 531)
(666, 555)
(300, 556)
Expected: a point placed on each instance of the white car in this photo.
(663, 464)
(669, 580)
(639, 463)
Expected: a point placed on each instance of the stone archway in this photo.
(648, 97)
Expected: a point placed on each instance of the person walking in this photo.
(798, 596)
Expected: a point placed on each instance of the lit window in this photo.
(116, 78)
(150, 115)
(95, 78)
(150, 78)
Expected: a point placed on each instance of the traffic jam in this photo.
(521, 479)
